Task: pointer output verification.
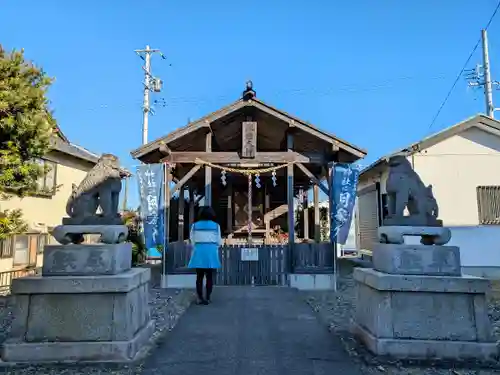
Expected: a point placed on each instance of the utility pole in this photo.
(150, 84)
(481, 76)
(490, 109)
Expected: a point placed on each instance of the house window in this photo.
(42, 241)
(47, 182)
(6, 248)
(488, 204)
(21, 250)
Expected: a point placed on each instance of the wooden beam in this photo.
(317, 227)
(208, 172)
(309, 174)
(234, 157)
(291, 218)
(184, 179)
(163, 148)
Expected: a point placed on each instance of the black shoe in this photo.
(205, 302)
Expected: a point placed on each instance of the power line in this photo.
(164, 102)
(463, 69)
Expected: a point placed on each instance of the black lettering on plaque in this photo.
(249, 140)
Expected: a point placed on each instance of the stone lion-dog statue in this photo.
(100, 188)
(405, 189)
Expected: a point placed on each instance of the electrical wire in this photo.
(462, 70)
(164, 102)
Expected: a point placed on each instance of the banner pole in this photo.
(333, 239)
(166, 216)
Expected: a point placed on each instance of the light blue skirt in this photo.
(205, 255)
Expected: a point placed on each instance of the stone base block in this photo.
(72, 313)
(121, 283)
(413, 221)
(15, 350)
(185, 281)
(429, 234)
(312, 282)
(88, 259)
(110, 234)
(417, 259)
(415, 310)
(426, 349)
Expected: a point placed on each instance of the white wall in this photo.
(479, 248)
(455, 167)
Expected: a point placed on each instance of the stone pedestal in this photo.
(416, 305)
(417, 259)
(96, 308)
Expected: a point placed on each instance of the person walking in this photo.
(205, 238)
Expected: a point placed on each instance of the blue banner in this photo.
(150, 178)
(343, 189)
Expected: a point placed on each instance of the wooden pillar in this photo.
(267, 208)
(317, 227)
(180, 213)
(291, 218)
(168, 179)
(208, 172)
(229, 209)
(305, 205)
(191, 206)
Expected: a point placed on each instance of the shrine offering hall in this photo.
(249, 161)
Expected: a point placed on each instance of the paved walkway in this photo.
(247, 331)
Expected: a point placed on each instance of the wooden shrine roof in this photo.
(225, 124)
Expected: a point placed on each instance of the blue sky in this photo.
(371, 72)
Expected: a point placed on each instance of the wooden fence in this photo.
(313, 258)
(271, 264)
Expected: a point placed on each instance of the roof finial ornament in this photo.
(249, 92)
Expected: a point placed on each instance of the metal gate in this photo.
(253, 265)
(241, 264)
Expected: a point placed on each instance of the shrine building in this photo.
(249, 154)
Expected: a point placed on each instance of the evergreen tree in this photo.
(26, 125)
(25, 122)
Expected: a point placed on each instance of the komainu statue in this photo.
(100, 188)
(405, 189)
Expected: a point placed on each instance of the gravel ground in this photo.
(166, 308)
(337, 309)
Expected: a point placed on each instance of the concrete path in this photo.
(249, 331)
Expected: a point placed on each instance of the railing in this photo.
(7, 277)
(316, 258)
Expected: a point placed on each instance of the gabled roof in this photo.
(60, 134)
(479, 121)
(76, 151)
(235, 106)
